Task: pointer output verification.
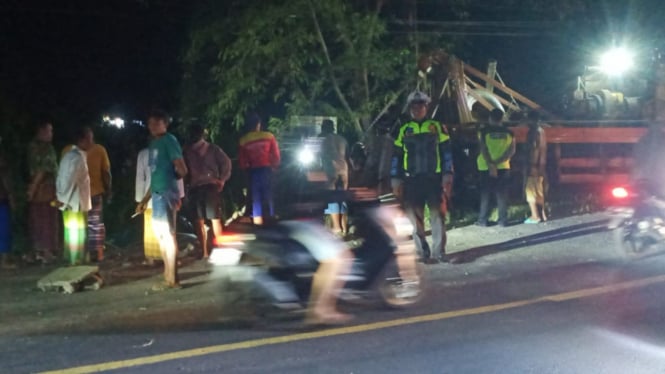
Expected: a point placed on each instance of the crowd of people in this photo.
(417, 166)
(422, 172)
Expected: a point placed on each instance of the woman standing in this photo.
(43, 218)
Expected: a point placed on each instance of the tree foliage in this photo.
(329, 57)
(352, 59)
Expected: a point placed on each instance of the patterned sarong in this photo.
(150, 243)
(44, 224)
(96, 229)
(75, 228)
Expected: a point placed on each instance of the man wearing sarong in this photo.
(73, 194)
(99, 169)
(151, 249)
(166, 166)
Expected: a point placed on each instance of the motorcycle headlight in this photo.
(643, 225)
(306, 156)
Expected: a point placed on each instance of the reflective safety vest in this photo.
(498, 140)
(420, 144)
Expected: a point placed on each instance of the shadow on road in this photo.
(562, 233)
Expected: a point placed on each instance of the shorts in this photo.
(336, 208)
(320, 242)
(534, 190)
(164, 208)
(206, 202)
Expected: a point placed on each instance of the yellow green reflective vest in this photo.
(420, 144)
(498, 140)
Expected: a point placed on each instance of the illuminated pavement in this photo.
(547, 299)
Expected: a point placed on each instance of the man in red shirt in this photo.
(258, 153)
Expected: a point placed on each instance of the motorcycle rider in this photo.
(334, 259)
(422, 166)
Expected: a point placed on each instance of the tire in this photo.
(394, 293)
(630, 246)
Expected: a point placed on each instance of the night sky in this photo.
(77, 59)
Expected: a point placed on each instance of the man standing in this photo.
(497, 146)
(258, 153)
(99, 168)
(535, 169)
(151, 248)
(379, 153)
(43, 218)
(334, 150)
(166, 166)
(423, 161)
(73, 193)
(209, 169)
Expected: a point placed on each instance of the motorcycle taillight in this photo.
(620, 193)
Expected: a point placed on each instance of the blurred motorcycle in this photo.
(637, 218)
(384, 269)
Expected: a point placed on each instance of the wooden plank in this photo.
(581, 162)
(478, 74)
(581, 135)
(606, 179)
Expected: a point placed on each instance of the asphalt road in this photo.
(548, 298)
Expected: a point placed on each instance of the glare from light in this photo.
(225, 256)
(616, 61)
(117, 122)
(306, 156)
(620, 192)
(403, 226)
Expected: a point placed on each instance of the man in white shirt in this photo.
(73, 194)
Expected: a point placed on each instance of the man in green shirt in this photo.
(497, 146)
(166, 167)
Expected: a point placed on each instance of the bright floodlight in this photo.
(306, 156)
(616, 61)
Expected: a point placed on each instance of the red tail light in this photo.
(619, 193)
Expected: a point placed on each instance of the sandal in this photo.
(166, 286)
(531, 221)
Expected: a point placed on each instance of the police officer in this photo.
(422, 161)
(497, 146)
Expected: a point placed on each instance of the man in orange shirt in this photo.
(99, 169)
